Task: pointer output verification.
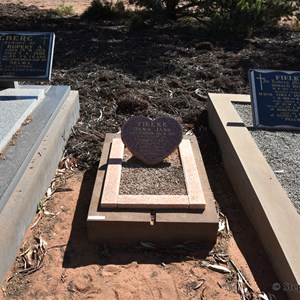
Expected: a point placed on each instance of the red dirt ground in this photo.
(74, 268)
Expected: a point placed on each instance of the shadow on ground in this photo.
(81, 252)
(240, 226)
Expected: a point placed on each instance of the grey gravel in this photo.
(281, 150)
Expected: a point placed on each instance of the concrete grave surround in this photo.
(269, 209)
(151, 140)
(153, 218)
(31, 163)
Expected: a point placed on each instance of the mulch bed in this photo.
(156, 72)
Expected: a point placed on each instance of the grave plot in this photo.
(267, 205)
(167, 217)
(281, 150)
(35, 124)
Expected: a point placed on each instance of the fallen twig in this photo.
(57, 246)
(240, 286)
(241, 275)
(33, 257)
(39, 216)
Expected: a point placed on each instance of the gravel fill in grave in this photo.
(281, 150)
(166, 178)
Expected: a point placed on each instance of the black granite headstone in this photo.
(26, 55)
(275, 97)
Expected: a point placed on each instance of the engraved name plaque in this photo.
(275, 97)
(26, 55)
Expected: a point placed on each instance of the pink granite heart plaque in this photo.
(151, 141)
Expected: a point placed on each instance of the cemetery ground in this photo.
(119, 73)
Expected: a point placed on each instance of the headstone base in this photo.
(117, 225)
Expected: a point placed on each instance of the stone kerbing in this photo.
(111, 198)
(117, 226)
(263, 198)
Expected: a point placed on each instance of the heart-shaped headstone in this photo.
(151, 140)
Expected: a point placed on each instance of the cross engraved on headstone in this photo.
(45, 38)
(261, 81)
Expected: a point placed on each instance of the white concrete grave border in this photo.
(267, 205)
(33, 162)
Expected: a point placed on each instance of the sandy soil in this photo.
(79, 6)
(56, 261)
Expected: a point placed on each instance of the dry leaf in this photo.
(223, 219)
(28, 258)
(199, 285)
(241, 275)
(148, 245)
(220, 257)
(42, 243)
(49, 192)
(190, 132)
(271, 296)
(217, 268)
(222, 225)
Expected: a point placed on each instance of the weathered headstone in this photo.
(26, 55)
(151, 140)
(275, 99)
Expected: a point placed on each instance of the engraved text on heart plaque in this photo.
(151, 140)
